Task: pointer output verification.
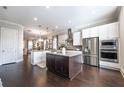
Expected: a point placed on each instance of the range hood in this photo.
(70, 39)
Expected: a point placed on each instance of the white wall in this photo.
(121, 19)
(18, 27)
(20, 44)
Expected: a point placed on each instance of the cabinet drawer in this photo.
(50, 62)
(77, 38)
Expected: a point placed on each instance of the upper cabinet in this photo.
(94, 32)
(86, 33)
(90, 32)
(55, 42)
(107, 31)
(76, 38)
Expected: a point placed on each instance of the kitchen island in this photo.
(67, 65)
(38, 56)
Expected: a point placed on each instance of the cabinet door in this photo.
(94, 32)
(61, 65)
(77, 38)
(9, 45)
(50, 62)
(103, 31)
(55, 43)
(109, 31)
(0, 48)
(113, 30)
(66, 66)
(86, 33)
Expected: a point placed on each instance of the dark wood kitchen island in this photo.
(67, 65)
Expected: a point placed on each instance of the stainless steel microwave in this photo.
(109, 44)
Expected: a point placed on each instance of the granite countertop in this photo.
(39, 51)
(68, 53)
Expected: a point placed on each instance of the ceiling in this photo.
(63, 17)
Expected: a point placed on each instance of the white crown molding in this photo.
(90, 24)
(12, 23)
(96, 23)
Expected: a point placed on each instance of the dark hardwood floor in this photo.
(23, 74)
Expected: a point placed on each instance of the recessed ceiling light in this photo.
(69, 21)
(47, 6)
(56, 26)
(35, 19)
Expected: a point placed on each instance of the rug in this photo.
(42, 64)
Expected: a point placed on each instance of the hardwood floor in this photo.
(23, 74)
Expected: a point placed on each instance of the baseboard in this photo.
(17, 61)
(20, 60)
(108, 67)
(122, 72)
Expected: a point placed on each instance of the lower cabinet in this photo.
(50, 62)
(58, 64)
(61, 65)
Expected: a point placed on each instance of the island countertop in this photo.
(67, 53)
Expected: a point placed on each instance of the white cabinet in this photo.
(113, 30)
(103, 32)
(55, 43)
(86, 33)
(90, 32)
(109, 31)
(76, 38)
(0, 49)
(38, 57)
(94, 32)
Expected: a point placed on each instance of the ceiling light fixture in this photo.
(47, 6)
(35, 19)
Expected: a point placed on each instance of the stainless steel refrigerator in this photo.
(91, 51)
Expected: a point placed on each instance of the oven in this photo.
(109, 51)
(109, 55)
